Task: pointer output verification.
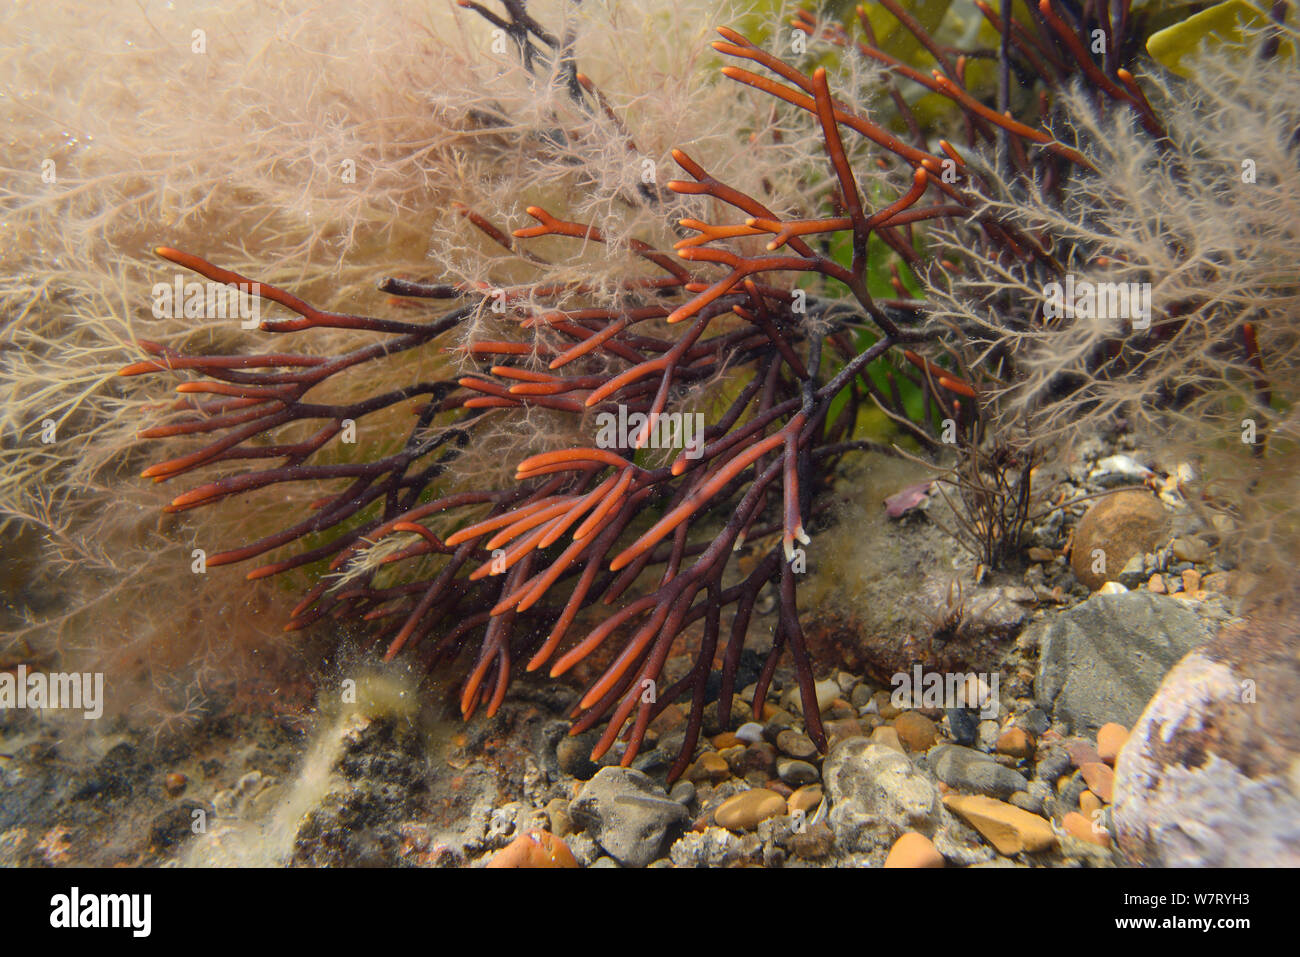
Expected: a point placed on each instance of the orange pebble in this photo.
(534, 849)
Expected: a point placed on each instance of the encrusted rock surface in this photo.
(1210, 775)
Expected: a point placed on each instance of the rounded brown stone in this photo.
(844, 728)
(795, 744)
(885, 705)
(1110, 741)
(1015, 742)
(1077, 825)
(916, 731)
(534, 849)
(1127, 523)
(744, 811)
(709, 766)
(1089, 803)
(805, 799)
(760, 757)
(913, 850)
(726, 740)
(1101, 780)
(888, 737)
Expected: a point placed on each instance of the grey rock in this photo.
(876, 794)
(1035, 721)
(654, 761)
(1210, 775)
(861, 695)
(626, 813)
(1103, 659)
(683, 792)
(963, 725)
(796, 773)
(1134, 572)
(795, 745)
(1053, 761)
(713, 847)
(1028, 801)
(974, 772)
(1190, 549)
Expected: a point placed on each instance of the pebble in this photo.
(1015, 742)
(913, 850)
(709, 766)
(1218, 582)
(1110, 740)
(776, 722)
(962, 726)
(1117, 470)
(1008, 828)
(813, 843)
(884, 705)
(759, 757)
(1133, 573)
(726, 740)
(1035, 721)
(974, 772)
(557, 815)
(860, 695)
(1156, 584)
(795, 744)
(843, 728)
(751, 732)
(917, 732)
(1121, 525)
(1089, 804)
(839, 710)
(1190, 549)
(1033, 799)
(805, 799)
(534, 849)
(772, 784)
(988, 734)
(826, 692)
(1037, 554)
(1071, 790)
(744, 811)
(1076, 825)
(175, 783)
(887, 736)
(1101, 780)
(683, 792)
(796, 773)
(1081, 752)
